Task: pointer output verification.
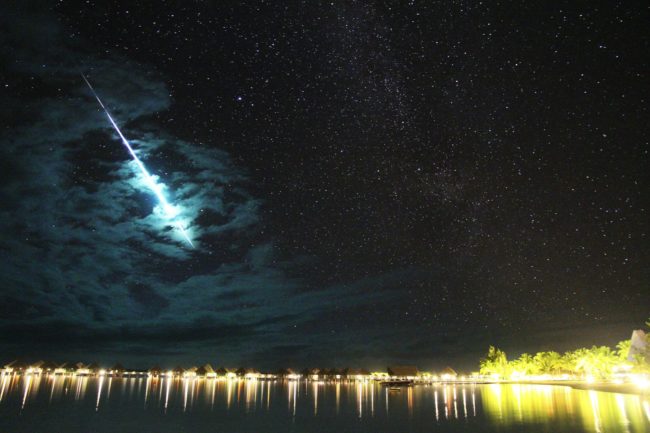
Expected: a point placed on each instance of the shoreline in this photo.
(617, 388)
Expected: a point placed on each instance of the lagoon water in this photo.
(141, 405)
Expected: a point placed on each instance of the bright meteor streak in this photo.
(168, 209)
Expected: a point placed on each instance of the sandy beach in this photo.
(621, 388)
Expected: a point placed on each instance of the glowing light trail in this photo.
(168, 209)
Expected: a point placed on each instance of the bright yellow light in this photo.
(641, 381)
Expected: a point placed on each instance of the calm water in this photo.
(198, 405)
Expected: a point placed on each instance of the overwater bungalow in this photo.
(116, 370)
(327, 373)
(81, 369)
(341, 373)
(230, 373)
(288, 373)
(206, 371)
(178, 371)
(13, 367)
(312, 373)
(155, 371)
(65, 368)
(357, 374)
(403, 372)
(190, 373)
(248, 373)
(134, 373)
(35, 368)
(448, 374)
(47, 367)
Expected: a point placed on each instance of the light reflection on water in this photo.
(454, 407)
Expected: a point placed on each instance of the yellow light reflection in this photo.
(27, 388)
(435, 399)
(5, 382)
(620, 401)
(464, 403)
(229, 393)
(338, 396)
(360, 400)
(295, 397)
(593, 398)
(169, 381)
(557, 406)
(185, 393)
(268, 395)
(99, 392)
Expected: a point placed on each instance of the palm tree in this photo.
(596, 362)
(496, 362)
(525, 365)
(623, 349)
(548, 362)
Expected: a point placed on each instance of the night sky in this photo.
(366, 183)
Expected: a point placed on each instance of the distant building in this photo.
(639, 345)
(248, 373)
(13, 367)
(330, 373)
(312, 373)
(403, 371)
(206, 371)
(357, 374)
(65, 368)
(288, 373)
(116, 370)
(190, 373)
(35, 368)
(229, 373)
(46, 366)
(82, 369)
(448, 374)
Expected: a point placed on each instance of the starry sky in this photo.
(366, 183)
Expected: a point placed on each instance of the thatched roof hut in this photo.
(403, 371)
(448, 372)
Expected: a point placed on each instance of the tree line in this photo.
(598, 362)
